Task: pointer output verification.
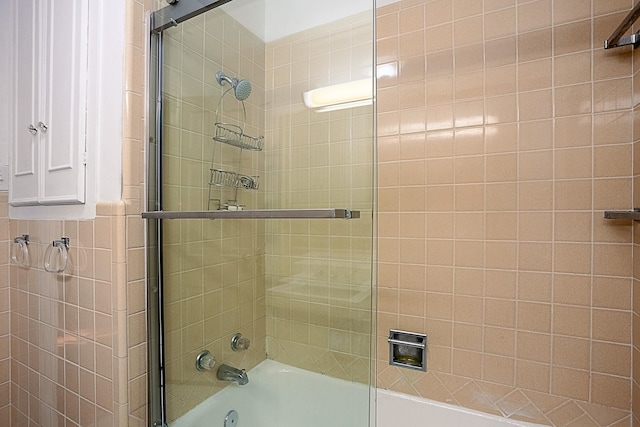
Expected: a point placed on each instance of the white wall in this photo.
(106, 96)
(273, 19)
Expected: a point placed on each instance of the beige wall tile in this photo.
(535, 105)
(612, 359)
(536, 44)
(611, 391)
(533, 376)
(570, 383)
(499, 24)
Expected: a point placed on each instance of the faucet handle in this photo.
(205, 361)
(239, 343)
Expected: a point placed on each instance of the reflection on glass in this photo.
(299, 290)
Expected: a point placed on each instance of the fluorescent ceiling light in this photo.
(337, 97)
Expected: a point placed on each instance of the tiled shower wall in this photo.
(318, 272)
(504, 132)
(213, 270)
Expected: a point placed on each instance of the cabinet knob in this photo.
(32, 130)
(42, 127)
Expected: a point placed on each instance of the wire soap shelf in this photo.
(222, 178)
(235, 136)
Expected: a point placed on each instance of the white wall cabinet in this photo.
(48, 148)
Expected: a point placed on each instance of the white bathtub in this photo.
(279, 395)
(397, 409)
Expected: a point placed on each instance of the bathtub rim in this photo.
(449, 407)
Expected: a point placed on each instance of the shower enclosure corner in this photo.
(260, 213)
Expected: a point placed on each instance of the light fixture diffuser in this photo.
(352, 94)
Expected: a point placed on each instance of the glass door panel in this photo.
(300, 290)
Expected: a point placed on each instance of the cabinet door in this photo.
(24, 144)
(64, 101)
(49, 144)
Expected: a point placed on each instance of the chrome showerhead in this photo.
(241, 88)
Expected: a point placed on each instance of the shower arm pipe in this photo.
(173, 14)
(256, 214)
(616, 39)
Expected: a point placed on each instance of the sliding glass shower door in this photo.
(260, 206)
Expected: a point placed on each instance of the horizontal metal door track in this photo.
(179, 11)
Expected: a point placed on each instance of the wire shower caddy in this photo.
(235, 136)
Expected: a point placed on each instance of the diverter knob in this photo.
(205, 361)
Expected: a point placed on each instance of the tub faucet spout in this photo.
(228, 373)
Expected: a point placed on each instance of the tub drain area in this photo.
(231, 420)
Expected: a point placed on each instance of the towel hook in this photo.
(20, 250)
(57, 264)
